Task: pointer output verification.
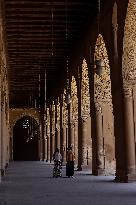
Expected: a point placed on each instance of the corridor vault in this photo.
(48, 52)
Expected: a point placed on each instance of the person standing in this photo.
(57, 157)
(70, 162)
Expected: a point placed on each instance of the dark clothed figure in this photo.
(70, 162)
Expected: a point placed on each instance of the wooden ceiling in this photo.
(40, 35)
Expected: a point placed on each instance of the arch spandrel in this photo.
(129, 45)
(102, 82)
(16, 114)
(65, 110)
(85, 95)
(74, 103)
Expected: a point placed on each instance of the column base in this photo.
(131, 177)
(125, 176)
(120, 176)
(98, 172)
(101, 172)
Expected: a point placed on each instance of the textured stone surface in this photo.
(29, 183)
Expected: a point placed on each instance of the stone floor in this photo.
(31, 183)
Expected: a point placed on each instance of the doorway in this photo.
(25, 140)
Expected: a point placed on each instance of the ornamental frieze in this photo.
(129, 45)
(102, 83)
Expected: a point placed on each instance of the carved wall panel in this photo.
(74, 102)
(102, 82)
(85, 94)
(129, 45)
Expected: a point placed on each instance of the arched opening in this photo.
(25, 139)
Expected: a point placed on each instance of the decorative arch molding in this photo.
(16, 114)
(129, 45)
(102, 83)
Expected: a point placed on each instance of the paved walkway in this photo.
(31, 183)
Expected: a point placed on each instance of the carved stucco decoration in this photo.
(65, 110)
(129, 45)
(17, 113)
(58, 115)
(48, 122)
(85, 94)
(74, 100)
(53, 118)
(102, 83)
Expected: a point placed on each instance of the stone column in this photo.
(99, 140)
(57, 138)
(2, 141)
(80, 154)
(76, 142)
(72, 135)
(48, 148)
(42, 116)
(69, 124)
(84, 141)
(61, 124)
(51, 135)
(0, 131)
(64, 143)
(117, 100)
(129, 133)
